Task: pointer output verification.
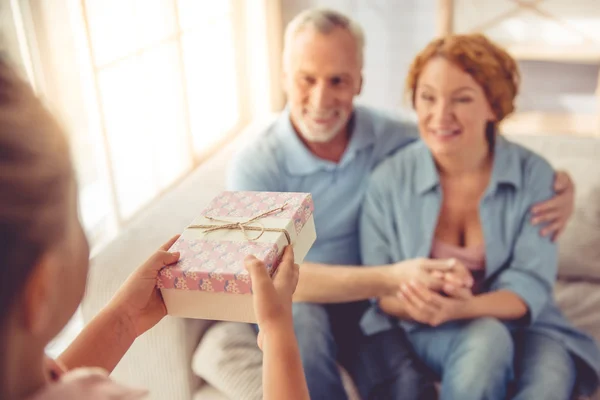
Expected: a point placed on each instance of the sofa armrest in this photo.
(160, 360)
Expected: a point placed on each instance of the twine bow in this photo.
(245, 226)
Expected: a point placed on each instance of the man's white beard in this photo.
(317, 135)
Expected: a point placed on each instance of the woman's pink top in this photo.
(472, 257)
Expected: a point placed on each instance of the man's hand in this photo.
(556, 211)
(433, 274)
(456, 284)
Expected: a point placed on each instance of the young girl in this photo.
(44, 264)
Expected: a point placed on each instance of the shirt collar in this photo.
(427, 175)
(300, 161)
(362, 132)
(505, 171)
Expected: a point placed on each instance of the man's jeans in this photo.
(382, 366)
(478, 359)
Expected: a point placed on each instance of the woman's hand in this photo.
(273, 297)
(427, 307)
(138, 301)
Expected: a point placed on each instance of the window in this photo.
(145, 88)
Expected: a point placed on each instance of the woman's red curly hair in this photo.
(490, 65)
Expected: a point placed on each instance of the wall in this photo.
(397, 29)
(9, 41)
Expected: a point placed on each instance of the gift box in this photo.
(210, 280)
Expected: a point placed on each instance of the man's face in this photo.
(321, 78)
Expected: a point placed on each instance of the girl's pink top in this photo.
(83, 383)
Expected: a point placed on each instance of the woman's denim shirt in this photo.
(400, 214)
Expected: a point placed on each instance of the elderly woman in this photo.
(464, 192)
(44, 266)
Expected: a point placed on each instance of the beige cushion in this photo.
(228, 359)
(208, 392)
(579, 246)
(580, 303)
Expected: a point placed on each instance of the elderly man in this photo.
(323, 144)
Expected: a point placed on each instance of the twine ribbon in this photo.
(245, 226)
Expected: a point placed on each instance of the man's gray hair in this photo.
(323, 21)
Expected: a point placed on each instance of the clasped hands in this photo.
(431, 292)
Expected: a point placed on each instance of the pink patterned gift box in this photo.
(234, 225)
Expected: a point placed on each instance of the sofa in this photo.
(161, 360)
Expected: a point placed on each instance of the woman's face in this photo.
(452, 109)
